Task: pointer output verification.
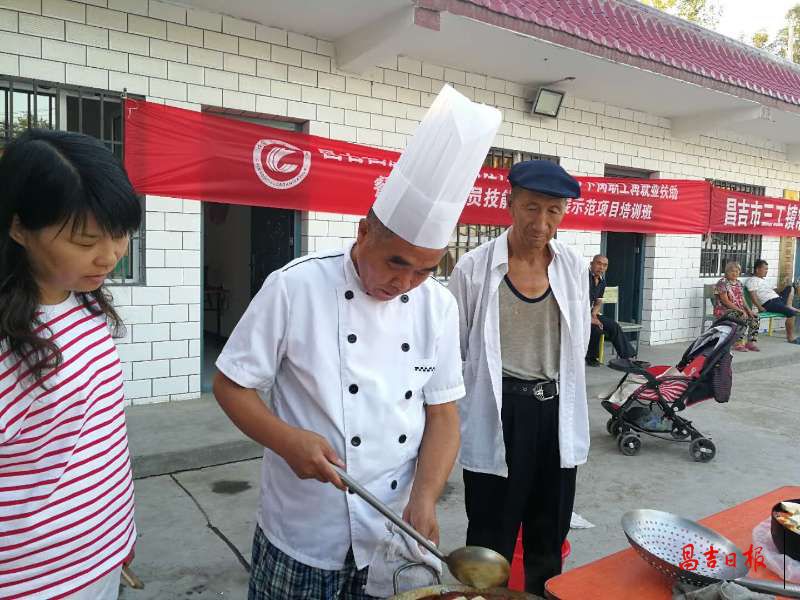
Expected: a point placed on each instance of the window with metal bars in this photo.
(503, 159)
(756, 190)
(467, 237)
(628, 172)
(721, 248)
(21, 109)
(26, 104)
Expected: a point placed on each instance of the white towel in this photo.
(394, 551)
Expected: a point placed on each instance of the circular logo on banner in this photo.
(280, 165)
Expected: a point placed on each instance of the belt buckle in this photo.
(538, 391)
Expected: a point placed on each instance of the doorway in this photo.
(797, 261)
(271, 243)
(242, 245)
(796, 278)
(625, 252)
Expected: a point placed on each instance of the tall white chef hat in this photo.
(425, 193)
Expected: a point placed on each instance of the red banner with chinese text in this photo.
(640, 205)
(186, 154)
(737, 212)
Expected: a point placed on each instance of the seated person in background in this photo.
(767, 299)
(729, 302)
(600, 323)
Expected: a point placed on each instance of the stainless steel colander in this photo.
(659, 538)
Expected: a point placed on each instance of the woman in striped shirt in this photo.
(67, 210)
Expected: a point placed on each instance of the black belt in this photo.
(541, 389)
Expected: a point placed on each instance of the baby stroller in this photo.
(648, 398)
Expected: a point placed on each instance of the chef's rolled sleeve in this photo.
(254, 351)
(447, 383)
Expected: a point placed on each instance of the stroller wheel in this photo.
(679, 433)
(629, 444)
(613, 427)
(702, 450)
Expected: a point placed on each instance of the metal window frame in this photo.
(10, 86)
(720, 248)
(500, 158)
(746, 188)
(467, 237)
(619, 172)
(60, 92)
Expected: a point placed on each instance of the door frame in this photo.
(298, 233)
(797, 259)
(639, 308)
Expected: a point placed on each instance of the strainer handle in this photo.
(388, 513)
(776, 588)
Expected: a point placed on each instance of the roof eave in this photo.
(467, 9)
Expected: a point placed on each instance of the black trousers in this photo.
(614, 334)
(538, 494)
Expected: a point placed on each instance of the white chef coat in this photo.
(475, 282)
(331, 359)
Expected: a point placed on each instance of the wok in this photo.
(444, 589)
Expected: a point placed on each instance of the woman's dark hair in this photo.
(758, 263)
(51, 178)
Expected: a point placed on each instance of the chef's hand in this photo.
(310, 457)
(421, 515)
(596, 321)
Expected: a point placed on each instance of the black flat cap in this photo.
(544, 177)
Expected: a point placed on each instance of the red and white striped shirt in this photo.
(66, 490)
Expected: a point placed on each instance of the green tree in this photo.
(706, 13)
(23, 122)
(760, 39)
(779, 44)
(665, 5)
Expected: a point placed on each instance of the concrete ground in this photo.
(196, 516)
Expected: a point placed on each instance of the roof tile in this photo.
(640, 31)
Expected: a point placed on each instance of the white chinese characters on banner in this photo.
(662, 191)
(350, 158)
(488, 197)
(479, 197)
(748, 212)
(613, 209)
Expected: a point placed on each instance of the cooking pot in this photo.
(446, 588)
(441, 589)
(786, 541)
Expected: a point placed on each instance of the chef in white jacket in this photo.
(352, 357)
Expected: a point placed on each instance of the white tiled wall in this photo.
(673, 294)
(188, 58)
(161, 351)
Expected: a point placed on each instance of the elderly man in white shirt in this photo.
(524, 332)
(355, 351)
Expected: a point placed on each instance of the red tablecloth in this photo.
(625, 576)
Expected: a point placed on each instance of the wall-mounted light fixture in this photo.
(548, 101)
